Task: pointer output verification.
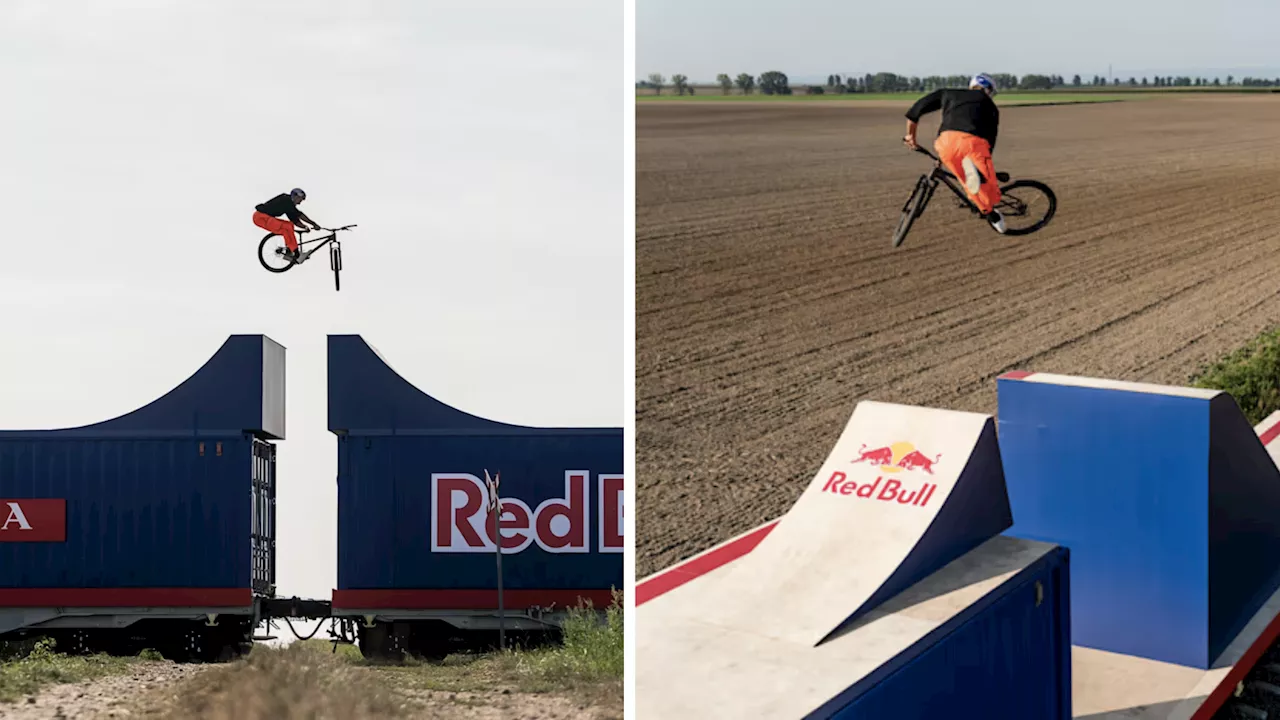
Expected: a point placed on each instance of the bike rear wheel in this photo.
(271, 253)
(1027, 206)
(913, 209)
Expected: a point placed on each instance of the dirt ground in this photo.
(770, 301)
(106, 697)
(312, 685)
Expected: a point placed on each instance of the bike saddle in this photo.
(1002, 176)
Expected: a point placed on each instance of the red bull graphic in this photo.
(891, 491)
(880, 456)
(890, 459)
(32, 520)
(461, 522)
(897, 457)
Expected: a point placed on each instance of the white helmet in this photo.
(983, 81)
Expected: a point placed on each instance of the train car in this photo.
(417, 551)
(154, 529)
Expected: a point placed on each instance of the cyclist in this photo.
(267, 214)
(966, 138)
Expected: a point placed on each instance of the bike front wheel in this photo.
(913, 209)
(271, 253)
(335, 261)
(1027, 206)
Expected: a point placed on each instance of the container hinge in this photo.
(1039, 593)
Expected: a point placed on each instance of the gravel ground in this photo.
(107, 697)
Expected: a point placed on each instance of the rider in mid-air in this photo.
(266, 216)
(966, 138)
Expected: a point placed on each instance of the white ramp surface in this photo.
(688, 667)
(880, 489)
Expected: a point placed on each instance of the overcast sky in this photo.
(702, 38)
(477, 144)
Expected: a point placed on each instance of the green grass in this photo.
(1251, 375)
(591, 651)
(31, 666)
(587, 666)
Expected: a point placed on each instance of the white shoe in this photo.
(997, 221)
(972, 178)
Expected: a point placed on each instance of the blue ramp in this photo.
(1166, 497)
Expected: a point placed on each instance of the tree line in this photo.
(775, 82)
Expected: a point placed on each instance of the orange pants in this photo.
(284, 228)
(953, 147)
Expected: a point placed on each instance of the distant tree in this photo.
(1217, 82)
(774, 82)
(1230, 79)
(1133, 82)
(1144, 82)
(657, 81)
(1076, 81)
(1004, 80)
(726, 83)
(837, 82)
(680, 83)
(1036, 82)
(746, 83)
(1197, 82)
(814, 90)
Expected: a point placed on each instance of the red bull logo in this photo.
(461, 522)
(897, 457)
(892, 491)
(891, 459)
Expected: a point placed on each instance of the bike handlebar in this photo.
(923, 151)
(307, 230)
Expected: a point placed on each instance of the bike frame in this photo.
(332, 237)
(942, 174)
(335, 250)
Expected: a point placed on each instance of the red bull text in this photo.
(891, 491)
(461, 521)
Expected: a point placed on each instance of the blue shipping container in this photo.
(1008, 657)
(413, 501)
(178, 495)
(139, 513)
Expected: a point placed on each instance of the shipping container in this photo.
(163, 515)
(1006, 657)
(986, 637)
(415, 535)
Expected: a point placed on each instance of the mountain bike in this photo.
(269, 251)
(1016, 199)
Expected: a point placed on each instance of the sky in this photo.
(477, 145)
(815, 38)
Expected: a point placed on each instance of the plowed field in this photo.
(769, 300)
